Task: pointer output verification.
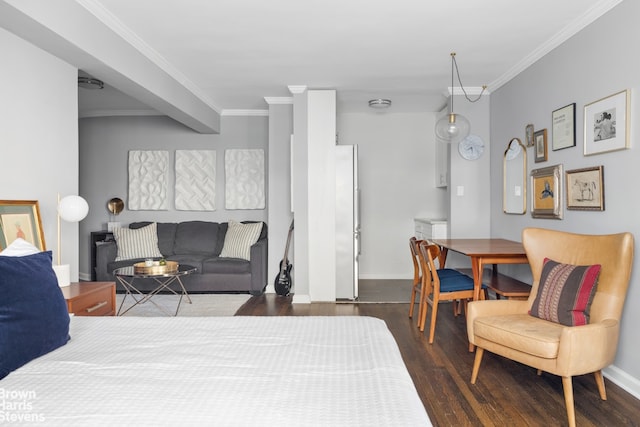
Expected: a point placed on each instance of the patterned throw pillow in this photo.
(138, 243)
(239, 239)
(565, 293)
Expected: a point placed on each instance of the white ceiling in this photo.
(234, 53)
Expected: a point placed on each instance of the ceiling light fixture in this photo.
(455, 127)
(380, 103)
(90, 83)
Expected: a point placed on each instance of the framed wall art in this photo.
(528, 135)
(546, 192)
(606, 124)
(148, 180)
(585, 189)
(21, 218)
(563, 132)
(540, 145)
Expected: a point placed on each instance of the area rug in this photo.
(203, 305)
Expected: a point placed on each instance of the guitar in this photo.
(283, 278)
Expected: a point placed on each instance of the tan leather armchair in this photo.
(504, 327)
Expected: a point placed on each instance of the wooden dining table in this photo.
(483, 252)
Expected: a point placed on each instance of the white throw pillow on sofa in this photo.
(138, 243)
(239, 239)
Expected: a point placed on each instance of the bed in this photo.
(223, 371)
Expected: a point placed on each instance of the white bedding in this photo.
(222, 371)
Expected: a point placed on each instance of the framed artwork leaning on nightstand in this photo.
(21, 219)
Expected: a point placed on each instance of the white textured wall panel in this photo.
(244, 176)
(148, 171)
(195, 180)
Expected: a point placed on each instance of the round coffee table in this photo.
(127, 276)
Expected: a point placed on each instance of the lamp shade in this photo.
(73, 208)
(453, 128)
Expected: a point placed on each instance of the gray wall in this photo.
(595, 63)
(397, 183)
(39, 137)
(104, 146)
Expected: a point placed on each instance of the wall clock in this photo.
(471, 148)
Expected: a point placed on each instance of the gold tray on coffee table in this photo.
(156, 268)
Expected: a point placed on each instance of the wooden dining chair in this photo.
(417, 276)
(437, 287)
(416, 287)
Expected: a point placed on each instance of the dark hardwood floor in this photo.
(506, 393)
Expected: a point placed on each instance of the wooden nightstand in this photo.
(91, 298)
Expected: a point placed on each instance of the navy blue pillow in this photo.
(33, 313)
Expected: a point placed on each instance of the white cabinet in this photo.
(427, 229)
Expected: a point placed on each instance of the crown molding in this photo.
(273, 100)
(472, 90)
(297, 89)
(565, 34)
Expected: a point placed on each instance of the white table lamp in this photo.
(70, 209)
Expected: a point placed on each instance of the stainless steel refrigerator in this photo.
(347, 222)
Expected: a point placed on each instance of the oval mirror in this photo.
(514, 169)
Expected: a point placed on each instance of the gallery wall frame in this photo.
(585, 189)
(528, 135)
(546, 192)
(563, 131)
(606, 123)
(21, 218)
(540, 146)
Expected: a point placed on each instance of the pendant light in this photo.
(455, 127)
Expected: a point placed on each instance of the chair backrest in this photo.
(427, 253)
(614, 252)
(413, 246)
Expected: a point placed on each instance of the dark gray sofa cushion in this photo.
(166, 235)
(193, 260)
(197, 237)
(226, 265)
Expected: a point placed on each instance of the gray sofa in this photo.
(196, 243)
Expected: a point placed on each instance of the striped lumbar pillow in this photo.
(138, 243)
(239, 238)
(565, 292)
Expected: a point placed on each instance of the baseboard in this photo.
(623, 380)
(85, 277)
(301, 299)
(384, 277)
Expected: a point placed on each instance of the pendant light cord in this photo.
(454, 63)
(453, 60)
